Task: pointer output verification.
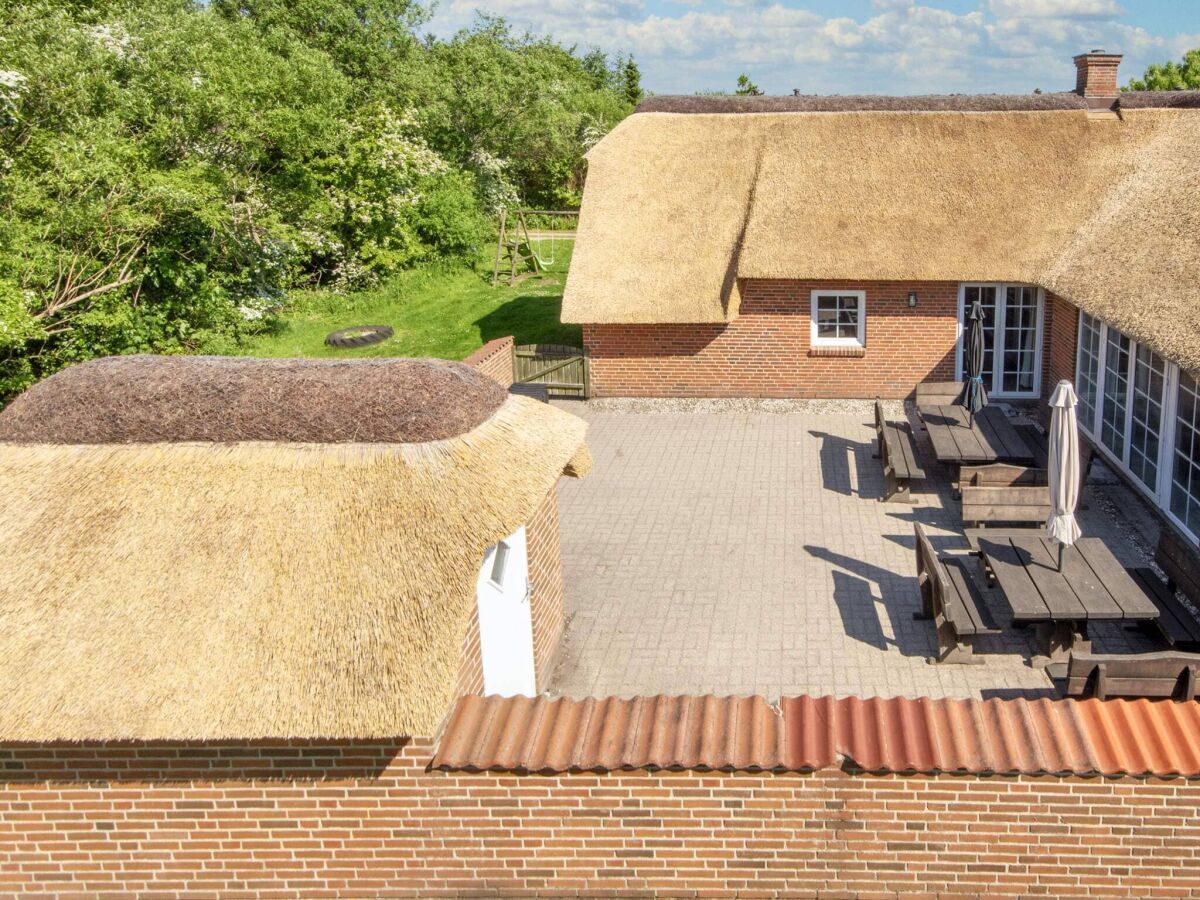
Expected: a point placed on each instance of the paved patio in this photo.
(746, 551)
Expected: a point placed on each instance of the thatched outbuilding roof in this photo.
(1102, 209)
(235, 588)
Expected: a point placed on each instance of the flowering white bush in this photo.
(497, 191)
(12, 85)
(112, 38)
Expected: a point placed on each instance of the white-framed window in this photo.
(1143, 415)
(839, 318)
(499, 564)
(1012, 336)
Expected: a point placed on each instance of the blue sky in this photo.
(856, 46)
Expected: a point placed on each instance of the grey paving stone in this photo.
(742, 552)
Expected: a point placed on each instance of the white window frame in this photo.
(1160, 494)
(860, 338)
(998, 338)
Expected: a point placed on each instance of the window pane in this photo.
(1185, 481)
(1149, 377)
(1116, 391)
(1087, 376)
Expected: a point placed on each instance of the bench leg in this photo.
(896, 490)
(1055, 641)
(953, 650)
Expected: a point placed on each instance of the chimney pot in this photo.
(1096, 78)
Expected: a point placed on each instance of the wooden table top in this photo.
(987, 437)
(1093, 584)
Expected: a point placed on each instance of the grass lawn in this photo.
(441, 311)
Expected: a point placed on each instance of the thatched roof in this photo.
(859, 102)
(126, 399)
(256, 589)
(1104, 210)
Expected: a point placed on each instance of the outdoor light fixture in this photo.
(912, 299)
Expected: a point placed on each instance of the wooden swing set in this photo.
(528, 241)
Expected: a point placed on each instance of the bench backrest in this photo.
(1005, 504)
(937, 393)
(1000, 475)
(928, 563)
(880, 420)
(1179, 562)
(1167, 674)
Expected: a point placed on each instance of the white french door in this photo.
(1012, 337)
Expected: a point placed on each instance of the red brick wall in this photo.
(765, 351)
(546, 602)
(1061, 329)
(494, 359)
(366, 819)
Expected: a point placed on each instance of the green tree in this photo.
(631, 76)
(746, 87)
(170, 169)
(1170, 75)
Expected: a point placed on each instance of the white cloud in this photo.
(901, 46)
(1056, 9)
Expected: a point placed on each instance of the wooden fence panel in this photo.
(563, 369)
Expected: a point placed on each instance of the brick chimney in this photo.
(1096, 78)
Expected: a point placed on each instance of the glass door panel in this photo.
(1087, 374)
(1116, 392)
(1185, 478)
(986, 295)
(1145, 422)
(1019, 372)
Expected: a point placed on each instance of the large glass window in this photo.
(1185, 475)
(1146, 419)
(1116, 392)
(1087, 374)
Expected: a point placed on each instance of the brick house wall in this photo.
(1061, 330)
(365, 818)
(766, 351)
(545, 601)
(494, 359)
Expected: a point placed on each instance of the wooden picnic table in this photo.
(987, 437)
(1093, 586)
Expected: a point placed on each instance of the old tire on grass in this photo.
(359, 336)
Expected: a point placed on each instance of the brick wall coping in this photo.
(492, 347)
(1139, 738)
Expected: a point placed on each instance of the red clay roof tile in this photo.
(1080, 737)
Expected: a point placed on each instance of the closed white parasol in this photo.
(1063, 474)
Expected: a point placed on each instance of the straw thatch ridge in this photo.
(243, 590)
(146, 399)
(859, 103)
(877, 195)
(1160, 99)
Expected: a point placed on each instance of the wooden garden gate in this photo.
(563, 369)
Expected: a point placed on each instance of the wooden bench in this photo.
(937, 393)
(897, 450)
(1167, 674)
(1004, 493)
(1179, 562)
(950, 597)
